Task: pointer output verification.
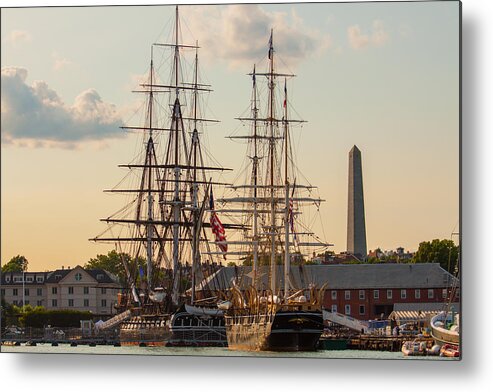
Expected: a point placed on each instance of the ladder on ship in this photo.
(116, 320)
(346, 321)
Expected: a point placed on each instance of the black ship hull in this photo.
(285, 331)
(295, 331)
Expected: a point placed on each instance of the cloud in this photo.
(59, 62)
(359, 40)
(18, 36)
(35, 115)
(241, 34)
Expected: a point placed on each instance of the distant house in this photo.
(93, 290)
(363, 291)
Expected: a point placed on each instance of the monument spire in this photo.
(356, 230)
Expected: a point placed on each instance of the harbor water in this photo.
(211, 352)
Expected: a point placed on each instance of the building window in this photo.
(347, 309)
(39, 292)
(26, 292)
(17, 278)
(403, 294)
(430, 293)
(362, 294)
(2, 292)
(389, 294)
(39, 279)
(99, 277)
(15, 292)
(417, 293)
(347, 294)
(54, 290)
(86, 303)
(444, 293)
(103, 303)
(70, 302)
(39, 302)
(7, 279)
(333, 294)
(333, 308)
(362, 309)
(26, 302)
(103, 290)
(86, 290)
(376, 294)
(54, 303)
(78, 276)
(71, 290)
(29, 279)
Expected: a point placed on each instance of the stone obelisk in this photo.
(356, 230)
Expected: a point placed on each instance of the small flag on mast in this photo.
(291, 220)
(271, 49)
(217, 228)
(285, 93)
(253, 76)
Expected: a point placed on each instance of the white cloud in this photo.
(380, 36)
(18, 36)
(241, 34)
(359, 40)
(59, 62)
(35, 115)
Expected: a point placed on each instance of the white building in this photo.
(93, 290)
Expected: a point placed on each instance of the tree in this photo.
(112, 262)
(16, 264)
(444, 252)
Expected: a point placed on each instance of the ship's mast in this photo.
(255, 181)
(272, 230)
(195, 207)
(286, 195)
(176, 205)
(150, 200)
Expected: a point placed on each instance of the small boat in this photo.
(441, 333)
(450, 350)
(414, 348)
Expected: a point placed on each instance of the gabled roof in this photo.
(99, 275)
(34, 275)
(57, 275)
(342, 276)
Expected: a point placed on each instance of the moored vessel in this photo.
(160, 233)
(270, 312)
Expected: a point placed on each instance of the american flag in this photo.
(217, 227)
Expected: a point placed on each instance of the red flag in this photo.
(217, 228)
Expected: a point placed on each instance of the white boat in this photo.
(414, 348)
(443, 330)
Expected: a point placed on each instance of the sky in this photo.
(382, 76)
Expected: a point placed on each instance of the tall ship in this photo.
(161, 232)
(269, 312)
